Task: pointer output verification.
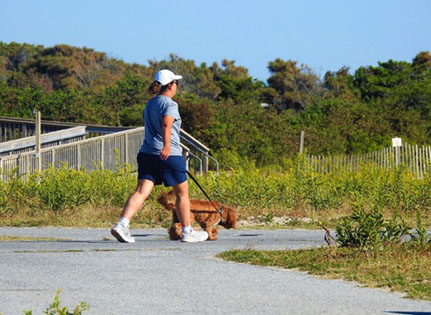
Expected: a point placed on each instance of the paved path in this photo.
(157, 276)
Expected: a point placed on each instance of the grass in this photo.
(153, 216)
(88, 216)
(13, 238)
(400, 267)
(75, 198)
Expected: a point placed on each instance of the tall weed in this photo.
(13, 193)
(370, 230)
(266, 192)
(63, 188)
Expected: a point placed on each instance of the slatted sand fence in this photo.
(417, 159)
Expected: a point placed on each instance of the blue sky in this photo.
(324, 35)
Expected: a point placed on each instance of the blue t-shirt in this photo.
(156, 108)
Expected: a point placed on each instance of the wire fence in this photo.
(417, 159)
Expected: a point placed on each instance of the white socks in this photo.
(124, 221)
(187, 229)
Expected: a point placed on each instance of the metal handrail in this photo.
(198, 158)
(192, 140)
(217, 164)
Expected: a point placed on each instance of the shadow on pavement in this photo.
(409, 313)
(146, 235)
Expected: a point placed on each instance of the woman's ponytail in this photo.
(155, 87)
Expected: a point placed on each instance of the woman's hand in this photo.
(165, 152)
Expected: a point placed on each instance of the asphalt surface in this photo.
(158, 276)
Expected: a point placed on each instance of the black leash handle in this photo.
(206, 195)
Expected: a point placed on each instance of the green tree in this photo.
(293, 87)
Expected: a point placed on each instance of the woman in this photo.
(160, 159)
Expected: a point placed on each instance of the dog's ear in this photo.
(229, 217)
(233, 218)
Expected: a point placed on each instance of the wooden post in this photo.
(301, 142)
(417, 160)
(78, 158)
(18, 165)
(53, 158)
(37, 141)
(102, 153)
(205, 163)
(126, 148)
(429, 156)
(186, 158)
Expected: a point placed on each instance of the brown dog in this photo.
(202, 212)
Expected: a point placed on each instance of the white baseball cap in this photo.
(166, 76)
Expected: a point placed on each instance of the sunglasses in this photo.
(175, 82)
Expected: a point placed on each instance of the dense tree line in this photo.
(222, 105)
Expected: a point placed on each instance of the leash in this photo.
(219, 211)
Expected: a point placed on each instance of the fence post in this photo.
(18, 165)
(102, 153)
(396, 144)
(126, 148)
(301, 142)
(205, 163)
(186, 158)
(417, 160)
(37, 141)
(53, 158)
(78, 160)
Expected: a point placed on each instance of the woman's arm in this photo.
(167, 126)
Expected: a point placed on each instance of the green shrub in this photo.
(265, 192)
(420, 237)
(111, 188)
(56, 309)
(63, 188)
(369, 230)
(13, 193)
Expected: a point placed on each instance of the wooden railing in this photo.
(16, 128)
(108, 152)
(49, 139)
(12, 128)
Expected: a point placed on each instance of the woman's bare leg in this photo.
(182, 203)
(136, 200)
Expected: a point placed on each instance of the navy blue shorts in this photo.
(170, 172)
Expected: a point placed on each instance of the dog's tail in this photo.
(166, 201)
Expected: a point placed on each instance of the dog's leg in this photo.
(175, 217)
(209, 225)
(212, 233)
(175, 232)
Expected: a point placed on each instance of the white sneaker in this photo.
(194, 236)
(122, 233)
